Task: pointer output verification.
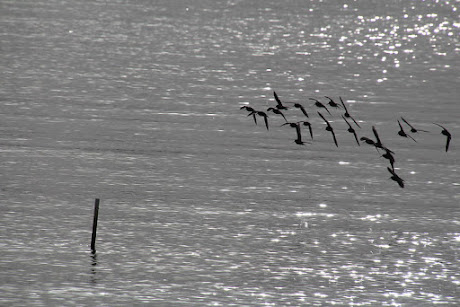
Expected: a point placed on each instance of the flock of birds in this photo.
(388, 154)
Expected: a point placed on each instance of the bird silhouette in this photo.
(402, 133)
(251, 112)
(298, 140)
(396, 178)
(329, 128)
(447, 134)
(276, 111)
(332, 103)
(247, 108)
(279, 104)
(262, 114)
(412, 128)
(320, 105)
(351, 130)
(347, 115)
(389, 156)
(367, 140)
(301, 107)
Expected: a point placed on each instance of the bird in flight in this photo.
(396, 178)
(276, 111)
(347, 115)
(402, 133)
(389, 156)
(332, 103)
(251, 112)
(262, 114)
(329, 128)
(412, 128)
(447, 134)
(279, 104)
(298, 140)
(351, 130)
(320, 105)
(367, 140)
(301, 107)
(247, 108)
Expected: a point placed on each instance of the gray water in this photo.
(137, 103)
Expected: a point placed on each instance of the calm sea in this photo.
(137, 102)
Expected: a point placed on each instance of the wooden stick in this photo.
(93, 238)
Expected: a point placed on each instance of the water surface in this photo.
(137, 103)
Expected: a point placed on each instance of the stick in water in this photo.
(96, 213)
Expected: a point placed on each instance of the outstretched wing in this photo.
(323, 117)
(412, 127)
(335, 140)
(356, 137)
(278, 101)
(376, 136)
(448, 142)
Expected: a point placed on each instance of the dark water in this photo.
(137, 103)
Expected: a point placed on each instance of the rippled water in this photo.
(137, 103)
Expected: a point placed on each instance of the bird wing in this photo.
(278, 101)
(407, 123)
(346, 121)
(266, 120)
(323, 118)
(303, 110)
(343, 104)
(355, 121)
(335, 140)
(253, 113)
(299, 135)
(311, 131)
(376, 135)
(440, 126)
(448, 142)
(356, 138)
(391, 171)
(412, 138)
(281, 113)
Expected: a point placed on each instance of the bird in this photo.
(347, 115)
(279, 105)
(276, 111)
(402, 133)
(332, 103)
(367, 140)
(247, 108)
(412, 129)
(389, 156)
(329, 128)
(447, 134)
(320, 105)
(396, 178)
(301, 107)
(305, 123)
(351, 130)
(251, 112)
(262, 114)
(298, 140)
